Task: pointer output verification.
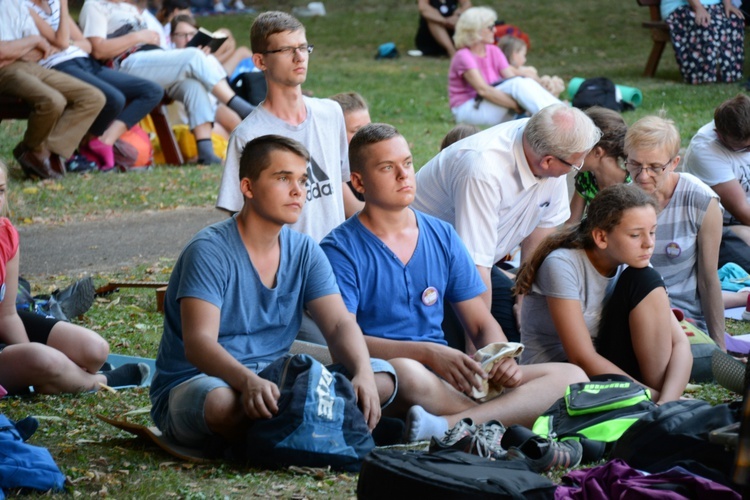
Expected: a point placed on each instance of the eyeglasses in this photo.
(291, 51)
(636, 168)
(576, 168)
(184, 35)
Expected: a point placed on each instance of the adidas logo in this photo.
(318, 182)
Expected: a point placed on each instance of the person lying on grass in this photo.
(234, 304)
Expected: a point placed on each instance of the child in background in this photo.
(602, 166)
(356, 112)
(515, 51)
(356, 116)
(460, 131)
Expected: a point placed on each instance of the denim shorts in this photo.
(185, 421)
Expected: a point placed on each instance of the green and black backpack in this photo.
(595, 413)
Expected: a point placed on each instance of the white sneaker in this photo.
(219, 8)
(238, 5)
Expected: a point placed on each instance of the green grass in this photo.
(568, 39)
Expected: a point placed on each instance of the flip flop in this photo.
(154, 435)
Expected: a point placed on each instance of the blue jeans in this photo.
(129, 98)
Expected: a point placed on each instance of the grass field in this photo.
(584, 38)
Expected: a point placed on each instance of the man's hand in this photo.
(41, 50)
(260, 398)
(456, 368)
(506, 373)
(367, 399)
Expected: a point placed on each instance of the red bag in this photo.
(502, 30)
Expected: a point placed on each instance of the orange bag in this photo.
(133, 149)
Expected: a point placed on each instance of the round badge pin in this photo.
(429, 296)
(673, 250)
(443, 9)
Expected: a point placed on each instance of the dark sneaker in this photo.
(79, 164)
(459, 437)
(77, 298)
(127, 375)
(106, 367)
(487, 441)
(539, 453)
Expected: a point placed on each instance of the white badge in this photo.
(673, 250)
(429, 296)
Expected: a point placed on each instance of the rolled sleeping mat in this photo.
(630, 95)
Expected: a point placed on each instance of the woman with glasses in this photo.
(592, 299)
(229, 54)
(483, 88)
(119, 35)
(690, 223)
(183, 29)
(602, 166)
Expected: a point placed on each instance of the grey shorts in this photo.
(185, 421)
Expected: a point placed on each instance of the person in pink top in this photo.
(483, 88)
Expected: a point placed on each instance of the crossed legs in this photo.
(541, 386)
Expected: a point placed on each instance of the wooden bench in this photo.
(659, 35)
(13, 108)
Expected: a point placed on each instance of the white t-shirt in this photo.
(483, 186)
(15, 21)
(104, 19)
(564, 274)
(714, 164)
(154, 25)
(323, 133)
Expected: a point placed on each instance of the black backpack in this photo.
(448, 474)
(677, 433)
(251, 86)
(598, 91)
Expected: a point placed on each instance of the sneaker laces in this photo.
(487, 440)
(463, 428)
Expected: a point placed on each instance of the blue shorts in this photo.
(185, 420)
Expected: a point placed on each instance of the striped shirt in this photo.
(53, 19)
(676, 251)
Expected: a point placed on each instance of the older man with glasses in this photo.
(719, 155)
(506, 186)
